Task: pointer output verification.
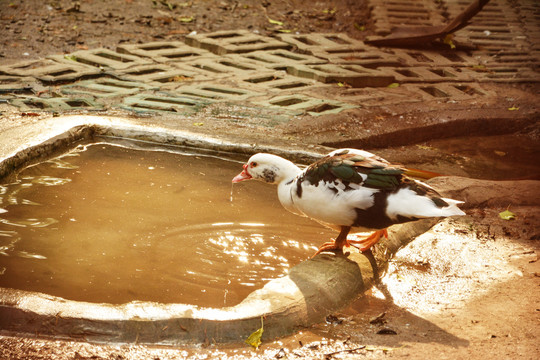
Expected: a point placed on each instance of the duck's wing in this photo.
(375, 173)
(368, 171)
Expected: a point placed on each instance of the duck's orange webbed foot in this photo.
(331, 245)
(366, 243)
(337, 244)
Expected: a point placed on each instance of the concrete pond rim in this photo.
(310, 291)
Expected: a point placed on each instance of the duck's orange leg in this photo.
(365, 244)
(337, 244)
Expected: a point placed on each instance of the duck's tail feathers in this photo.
(452, 208)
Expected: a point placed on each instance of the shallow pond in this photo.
(106, 223)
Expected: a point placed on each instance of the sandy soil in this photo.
(32, 29)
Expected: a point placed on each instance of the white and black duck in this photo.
(350, 190)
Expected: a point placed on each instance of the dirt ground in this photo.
(473, 296)
(32, 29)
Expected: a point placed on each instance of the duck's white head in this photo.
(268, 168)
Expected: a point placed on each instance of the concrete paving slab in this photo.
(220, 66)
(510, 74)
(426, 74)
(105, 87)
(302, 104)
(354, 75)
(161, 74)
(275, 82)
(415, 92)
(216, 91)
(16, 84)
(279, 59)
(55, 104)
(107, 59)
(451, 91)
(389, 14)
(163, 102)
(456, 58)
(313, 42)
(164, 51)
(365, 56)
(54, 69)
(234, 41)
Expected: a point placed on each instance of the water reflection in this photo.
(110, 224)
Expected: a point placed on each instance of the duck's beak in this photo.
(244, 175)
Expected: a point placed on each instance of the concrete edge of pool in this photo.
(21, 146)
(312, 289)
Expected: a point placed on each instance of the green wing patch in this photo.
(354, 169)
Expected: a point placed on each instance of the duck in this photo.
(351, 191)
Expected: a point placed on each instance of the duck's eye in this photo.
(254, 164)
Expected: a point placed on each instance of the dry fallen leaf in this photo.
(276, 22)
(360, 27)
(255, 338)
(186, 19)
(448, 41)
(507, 215)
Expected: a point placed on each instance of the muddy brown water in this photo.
(111, 224)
